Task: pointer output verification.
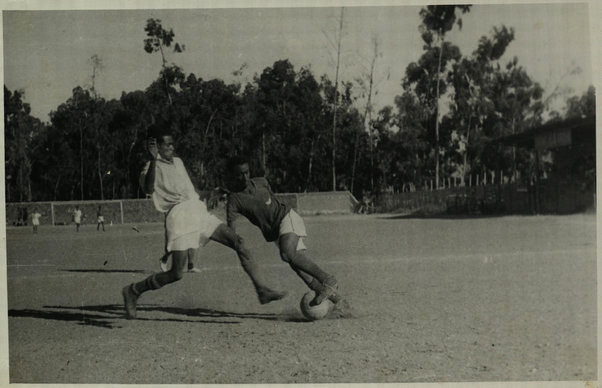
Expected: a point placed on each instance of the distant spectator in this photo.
(35, 220)
(77, 218)
(365, 204)
(100, 220)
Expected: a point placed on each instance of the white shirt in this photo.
(77, 216)
(35, 218)
(172, 183)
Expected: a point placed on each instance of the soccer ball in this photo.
(313, 313)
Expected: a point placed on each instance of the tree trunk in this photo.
(437, 114)
(334, 115)
(367, 122)
(466, 152)
(128, 176)
(310, 163)
(164, 65)
(513, 155)
(263, 154)
(81, 162)
(355, 152)
(99, 175)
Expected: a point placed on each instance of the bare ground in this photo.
(488, 299)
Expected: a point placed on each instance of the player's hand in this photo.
(151, 146)
(215, 196)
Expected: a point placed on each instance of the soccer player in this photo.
(100, 219)
(188, 223)
(278, 222)
(77, 218)
(35, 219)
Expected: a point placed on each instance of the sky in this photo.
(47, 52)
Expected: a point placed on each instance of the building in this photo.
(570, 185)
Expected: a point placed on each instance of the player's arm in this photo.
(267, 185)
(149, 177)
(215, 196)
(231, 212)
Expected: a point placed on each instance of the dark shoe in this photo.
(268, 296)
(329, 289)
(129, 300)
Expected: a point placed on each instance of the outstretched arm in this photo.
(149, 177)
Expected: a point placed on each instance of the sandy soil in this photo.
(489, 299)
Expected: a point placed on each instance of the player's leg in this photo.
(301, 263)
(192, 253)
(132, 292)
(165, 257)
(314, 284)
(226, 236)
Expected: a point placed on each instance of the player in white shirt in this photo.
(77, 218)
(35, 220)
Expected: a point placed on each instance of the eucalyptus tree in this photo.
(20, 129)
(437, 21)
(476, 95)
(159, 40)
(518, 107)
(583, 106)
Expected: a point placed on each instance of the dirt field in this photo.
(488, 299)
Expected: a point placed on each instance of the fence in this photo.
(545, 198)
(142, 210)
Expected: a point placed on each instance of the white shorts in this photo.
(100, 219)
(293, 223)
(189, 225)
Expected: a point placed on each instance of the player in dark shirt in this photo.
(278, 222)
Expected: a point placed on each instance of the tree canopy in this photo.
(282, 121)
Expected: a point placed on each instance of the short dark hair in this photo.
(235, 161)
(157, 131)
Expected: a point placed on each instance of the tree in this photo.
(20, 129)
(439, 20)
(158, 40)
(335, 100)
(96, 63)
(518, 106)
(367, 116)
(473, 98)
(584, 106)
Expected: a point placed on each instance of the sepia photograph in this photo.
(347, 192)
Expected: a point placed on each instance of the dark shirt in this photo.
(260, 206)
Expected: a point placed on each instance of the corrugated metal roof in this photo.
(576, 125)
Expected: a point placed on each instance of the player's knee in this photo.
(287, 256)
(176, 274)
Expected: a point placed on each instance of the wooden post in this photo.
(121, 210)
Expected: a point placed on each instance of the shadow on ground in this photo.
(108, 316)
(441, 216)
(95, 270)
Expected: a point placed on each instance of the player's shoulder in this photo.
(260, 181)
